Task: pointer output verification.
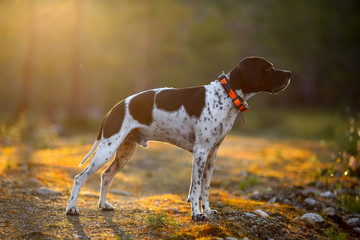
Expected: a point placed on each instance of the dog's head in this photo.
(255, 74)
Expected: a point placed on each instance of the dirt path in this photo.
(277, 177)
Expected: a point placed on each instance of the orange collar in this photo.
(237, 100)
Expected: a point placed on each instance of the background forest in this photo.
(69, 61)
(65, 63)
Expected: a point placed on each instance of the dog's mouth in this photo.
(282, 87)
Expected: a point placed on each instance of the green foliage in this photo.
(127, 46)
(13, 133)
(348, 157)
(304, 124)
(347, 162)
(352, 135)
(333, 235)
(8, 165)
(159, 220)
(249, 181)
(351, 202)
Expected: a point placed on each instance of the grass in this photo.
(352, 203)
(205, 231)
(159, 220)
(249, 181)
(333, 235)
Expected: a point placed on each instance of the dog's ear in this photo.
(246, 74)
(235, 78)
(250, 71)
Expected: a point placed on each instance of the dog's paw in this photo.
(211, 212)
(199, 217)
(106, 206)
(72, 211)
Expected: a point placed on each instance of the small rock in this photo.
(35, 235)
(47, 191)
(328, 194)
(219, 204)
(244, 173)
(310, 201)
(354, 222)
(261, 213)
(329, 211)
(354, 215)
(272, 200)
(308, 191)
(312, 217)
(230, 238)
(357, 230)
(119, 192)
(34, 181)
(249, 214)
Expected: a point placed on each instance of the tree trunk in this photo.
(28, 67)
(76, 111)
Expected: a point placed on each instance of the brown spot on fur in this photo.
(193, 100)
(141, 107)
(112, 121)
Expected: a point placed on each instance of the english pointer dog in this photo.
(195, 119)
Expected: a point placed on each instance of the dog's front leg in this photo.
(205, 181)
(200, 156)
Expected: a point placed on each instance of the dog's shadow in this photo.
(75, 221)
(116, 228)
(77, 224)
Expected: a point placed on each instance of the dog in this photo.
(196, 119)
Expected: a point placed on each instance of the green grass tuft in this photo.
(250, 181)
(333, 235)
(159, 220)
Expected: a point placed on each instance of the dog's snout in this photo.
(287, 73)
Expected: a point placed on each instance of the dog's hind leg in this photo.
(123, 155)
(103, 154)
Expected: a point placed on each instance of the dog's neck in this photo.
(239, 91)
(237, 82)
(237, 100)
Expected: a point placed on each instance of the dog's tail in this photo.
(93, 149)
(95, 145)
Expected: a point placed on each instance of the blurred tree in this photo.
(128, 46)
(212, 46)
(76, 110)
(28, 65)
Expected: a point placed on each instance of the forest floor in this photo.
(285, 179)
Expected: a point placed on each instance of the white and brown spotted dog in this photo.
(196, 119)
